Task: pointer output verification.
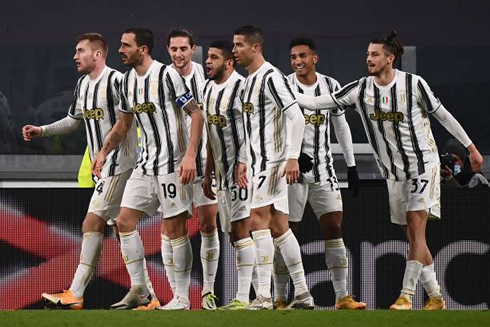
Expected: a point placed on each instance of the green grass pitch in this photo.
(375, 318)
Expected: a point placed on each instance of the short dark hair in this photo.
(253, 34)
(181, 32)
(143, 36)
(226, 47)
(391, 45)
(303, 40)
(95, 39)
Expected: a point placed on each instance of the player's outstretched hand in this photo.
(241, 175)
(353, 180)
(187, 169)
(291, 171)
(30, 132)
(207, 187)
(305, 162)
(97, 164)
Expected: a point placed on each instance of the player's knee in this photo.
(93, 223)
(207, 225)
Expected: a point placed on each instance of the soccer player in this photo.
(267, 102)
(319, 186)
(180, 46)
(96, 101)
(395, 108)
(227, 146)
(156, 95)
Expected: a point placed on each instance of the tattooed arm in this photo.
(187, 169)
(117, 134)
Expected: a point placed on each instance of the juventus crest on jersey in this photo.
(316, 141)
(195, 83)
(156, 100)
(266, 96)
(396, 121)
(97, 102)
(226, 130)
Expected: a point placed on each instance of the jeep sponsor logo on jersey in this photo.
(394, 117)
(145, 107)
(218, 120)
(315, 119)
(96, 114)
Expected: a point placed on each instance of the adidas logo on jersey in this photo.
(96, 114)
(147, 107)
(394, 117)
(315, 119)
(217, 120)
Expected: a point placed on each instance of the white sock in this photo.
(411, 278)
(89, 255)
(264, 248)
(133, 255)
(338, 265)
(429, 281)
(182, 265)
(255, 275)
(168, 261)
(289, 247)
(281, 276)
(245, 261)
(209, 260)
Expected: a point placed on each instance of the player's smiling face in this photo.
(303, 60)
(215, 64)
(84, 57)
(242, 50)
(180, 51)
(377, 59)
(130, 52)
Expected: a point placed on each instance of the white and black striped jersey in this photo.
(156, 99)
(267, 95)
(97, 102)
(316, 141)
(195, 83)
(396, 121)
(226, 129)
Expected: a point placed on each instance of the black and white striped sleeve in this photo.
(279, 90)
(75, 110)
(426, 98)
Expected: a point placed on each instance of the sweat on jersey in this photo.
(157, 100)
(226, 130)
(98, 102)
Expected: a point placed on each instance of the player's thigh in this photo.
(270, 188)
(297, 198)
(140, 194)
(175, 198)
(106, 199)
(425, 193)
(324, 198)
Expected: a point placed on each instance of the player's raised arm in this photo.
(63, 126)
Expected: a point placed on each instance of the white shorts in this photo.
(421, 193)
(270, 188)
(198, 196)
(148, 193)
(323, 197)
(233, 205)
(106, 200)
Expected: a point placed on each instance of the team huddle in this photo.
(254, 149)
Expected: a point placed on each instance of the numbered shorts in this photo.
(106, 200)
(324, 197)
(268, 187)
(233, 205)
(148, 193)
(198, 196)
(421, 193)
